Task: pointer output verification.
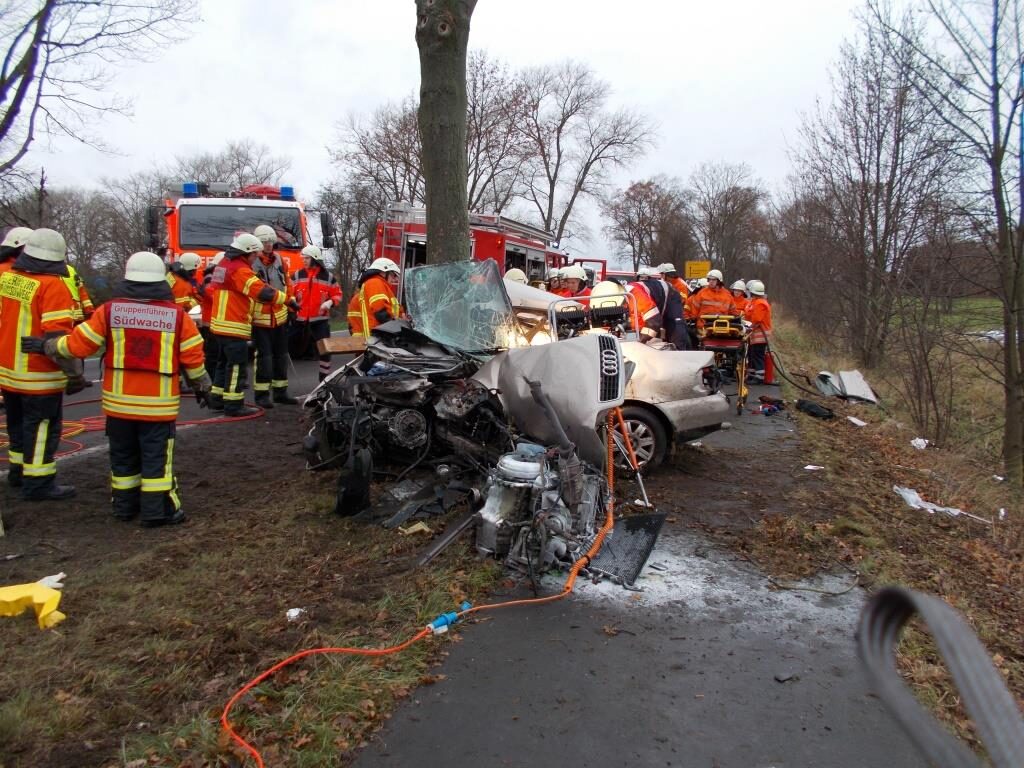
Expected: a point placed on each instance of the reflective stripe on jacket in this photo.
(81, 304)
(31, 304)
(236, 288)
(275, 274)
(183, 291)
(759, 313)
(373, 296)
(647, 317)
(710, 301)
(312, 287)
(147, 343)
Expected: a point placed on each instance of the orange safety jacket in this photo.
(268, 314)
(742, 303)
(647, 317)
(32, 304)
(205, 301)
(81, 304)
(147, 342)
(236, 288)
(373, 297)
(183, 291)
(312, 288)
(759, 313)
(710, 301)
(680, 285)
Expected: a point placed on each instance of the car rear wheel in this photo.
(648, 437)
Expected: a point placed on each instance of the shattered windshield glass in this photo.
(462, 305)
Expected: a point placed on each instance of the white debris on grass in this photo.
(914, 501)
(1002, 513)
(920, 443)
(856, 422)
(813, 467)
(294, 614)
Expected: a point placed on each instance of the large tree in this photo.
(442, 36)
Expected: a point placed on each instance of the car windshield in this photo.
(461, 305)
(215, 226)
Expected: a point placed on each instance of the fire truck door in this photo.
(415, 252)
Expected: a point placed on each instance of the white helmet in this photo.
(647, 272)
(265, 233)
(555, 274)
(312, 252)
(217, 257)
(17, 237)
(190, 261)
(702, 282)
(247, 243)
(716, 274)
(739, 285)
(145, 267)
(607, 293)
(516, 275)
(573, 272)
(385, 265)
(756, 287)
(47, 245)
(667, 267)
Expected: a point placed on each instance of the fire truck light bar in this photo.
(190, 189)
(287, 193)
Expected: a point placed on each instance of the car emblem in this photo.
(609, 362)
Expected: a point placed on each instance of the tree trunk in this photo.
(442, 36)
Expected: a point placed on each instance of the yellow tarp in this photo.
(40, 597)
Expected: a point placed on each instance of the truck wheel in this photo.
(648, 436)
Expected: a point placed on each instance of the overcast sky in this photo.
(723, 81)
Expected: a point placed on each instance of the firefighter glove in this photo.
(75, 384)
(293, 305)
(34, 344)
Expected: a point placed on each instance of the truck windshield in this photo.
(215, 226)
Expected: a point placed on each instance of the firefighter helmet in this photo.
(312, 252)
(516, 275)
(217, 257)
(265, 233)
(384, 265)
(247, 243)
(667, 268)
(17, 237)
(647, 272)
(702, 282)
(756, 287)
(47, 245)
(190, 261)
(739, 285)
(716, 274)
(145, 267)
(573, 272)
(607, 293)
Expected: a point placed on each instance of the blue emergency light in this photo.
(190, 189)
(287, 193)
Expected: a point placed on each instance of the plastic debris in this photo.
(813, 467)
(856, 422)
(920, 443)
(294, 614)
(419, 527)
(1002, 513)
(914, 501)
(42, 597)
(998, 478)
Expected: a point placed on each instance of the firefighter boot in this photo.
(14, 475)
(281, 396)
(263, 400)
(216, 403)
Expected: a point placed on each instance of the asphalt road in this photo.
(707, 666)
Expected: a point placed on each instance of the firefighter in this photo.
(670, 305)
(205, 291)
(81, 304)
(375, 301)
(516, 275)
(712, 299)
(181, 276)
(34, 302)
(317, 292)
(671, 276)
(646, 315)
(150, 340)
(759, 314)
(12, 246)
(554, 281)
(739, 295)
(574, 281)
(235, 289)
(270, 326)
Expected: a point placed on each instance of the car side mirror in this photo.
(327, 232)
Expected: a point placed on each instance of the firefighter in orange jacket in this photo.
(270, 326)
(149, 341)
(375, 301)
(205, 290)
(181, 276)
(739, 296)
(34, 302)
(647, 320)
(759, 314)
(235, 289)
(317, 292)
(713, 299)
(671, 276)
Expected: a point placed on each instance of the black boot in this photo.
(281, 396)
(53, 492)
(14, 475)
(263, 400)
(216, 403)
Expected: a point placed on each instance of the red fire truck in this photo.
(205, 217)
(402, 237)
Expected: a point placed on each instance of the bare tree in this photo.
(723, 207)
(240, 163)
(574, 140)
(355, 207)
(969, 67)
(57, 60)
(641, 218)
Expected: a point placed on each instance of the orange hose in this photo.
(569, 584)
(629, 443)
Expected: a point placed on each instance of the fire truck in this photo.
(402, 237)
(205, 217)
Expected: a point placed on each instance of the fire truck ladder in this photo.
(511, 227)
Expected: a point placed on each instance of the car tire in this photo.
(649, 438)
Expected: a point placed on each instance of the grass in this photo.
(867, 527)
(157, 643)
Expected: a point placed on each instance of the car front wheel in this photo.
(648, 437)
